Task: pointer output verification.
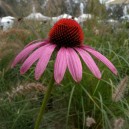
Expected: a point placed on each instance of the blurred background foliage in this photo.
(50, 9)
(71, 105)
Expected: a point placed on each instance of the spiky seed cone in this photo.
(66, 33)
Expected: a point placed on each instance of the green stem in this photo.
(44, 103)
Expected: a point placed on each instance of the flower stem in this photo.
(44, 103)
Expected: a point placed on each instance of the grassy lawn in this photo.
(104, 101)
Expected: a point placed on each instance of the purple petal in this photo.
(74, 64)
(45, 41)
(43, 61)
(89, 62)
(31, 59)
(101, 58)
(25, 52)
(60, 65)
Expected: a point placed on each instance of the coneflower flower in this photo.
(66, 36)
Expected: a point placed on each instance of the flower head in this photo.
(66, 33)
(67, 36)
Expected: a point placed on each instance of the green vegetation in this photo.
(91, 104)
(70, 104)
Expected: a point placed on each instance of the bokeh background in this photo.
(91, 104)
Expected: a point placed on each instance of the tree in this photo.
(94, 7)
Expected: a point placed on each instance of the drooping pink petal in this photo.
(89, 62)
(31, 59)
(74, 64)
(25, 52)
(101, 58)
(45, 41)
(60, 65)
(43, 61)
(35, 41)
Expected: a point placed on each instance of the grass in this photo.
(70, 104)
